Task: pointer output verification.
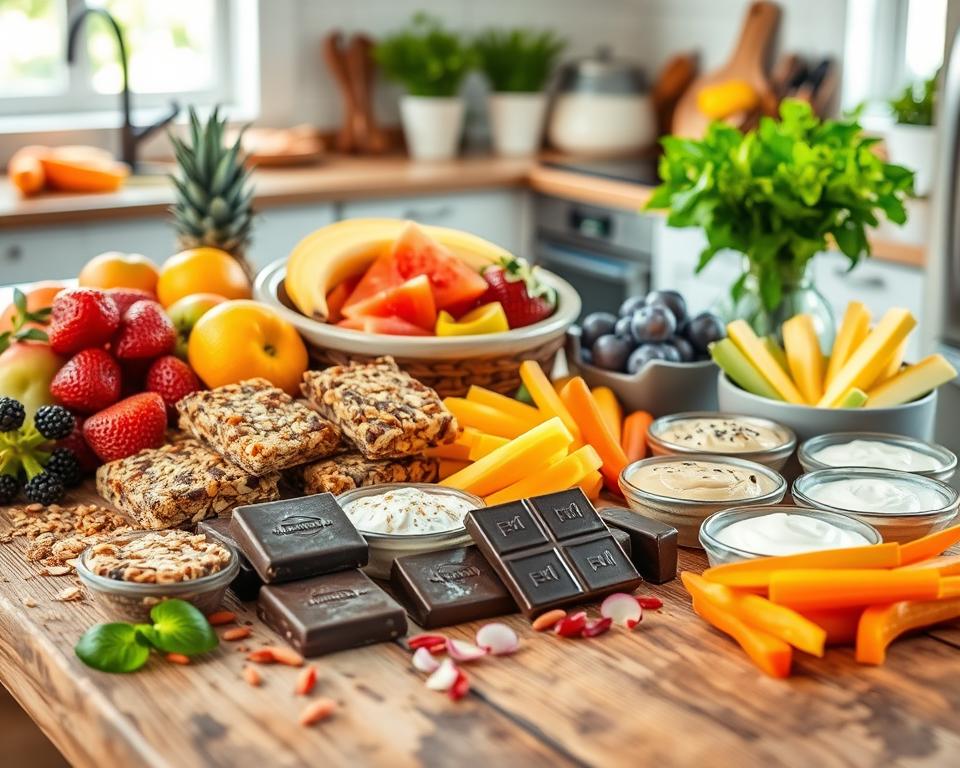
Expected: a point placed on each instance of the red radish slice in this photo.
(423, 661)
(572, 625)
(444, 677)
(425, 641)
(622, 608)
(498, 639)
(597, 627)
(460, 687)
(461, 650)
(650, 603)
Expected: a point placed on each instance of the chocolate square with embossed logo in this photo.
(600, 562)
(510, 527)
(298, 538)
(331, 613)
(544, 576)
(568, 514)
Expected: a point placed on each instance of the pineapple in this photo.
(213, 206)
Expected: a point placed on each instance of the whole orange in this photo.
(244, 339)
(39, 296)
(114, 269)
(202, 270)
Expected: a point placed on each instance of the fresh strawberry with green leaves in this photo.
(127, 427)
(88, 382)
(145, 332)
(172, 379)
(24, 322)
(516, 285)
(81, 318)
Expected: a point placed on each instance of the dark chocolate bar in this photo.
(551, 550)
(246, 585)
(450, 586)
(298, 538)
(331, 613)
(653, 544)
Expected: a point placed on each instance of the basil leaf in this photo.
(178, 627)
(112, 648)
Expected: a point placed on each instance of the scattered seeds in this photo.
(177, 658)
(276, 653)
(252, 676)
(622, 608)
(650, 603)
(29, 602)
(306, 680)
(261, 656)
(548, 620)
(69, 594)
(57, 570)
(237, 633)
(572, 625)
(316, 711)
(221, 617)
(497, 638)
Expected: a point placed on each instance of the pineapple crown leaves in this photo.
(516, 269)
(214, 199)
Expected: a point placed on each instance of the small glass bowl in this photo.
(133, 600)
(686, 515)
(893, 526)
(946, 457)
(387, 547)
(719, 553)
(774, 457)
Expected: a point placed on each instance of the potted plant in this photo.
(430, 62)
(910, 141)
(779, 195)
(517, 64)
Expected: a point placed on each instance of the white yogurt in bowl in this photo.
(877, 451)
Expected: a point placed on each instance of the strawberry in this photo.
(145, 332)
(171, 378)
(127, 427)
(89, 382)
(125, 298)
(81, 318)
(78, 446)
(515, 284)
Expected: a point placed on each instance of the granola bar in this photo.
(382, 410)
(184, 482)
(257, 426)
(158, 557)
(354, 470)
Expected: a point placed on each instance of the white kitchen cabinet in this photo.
(675, 256)
(277, 230)
(496, 215)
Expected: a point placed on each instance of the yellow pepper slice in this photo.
(490, 318)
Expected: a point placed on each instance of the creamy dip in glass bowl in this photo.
(877, 450)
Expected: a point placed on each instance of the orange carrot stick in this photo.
(880, 625)
(610, 407)
(812, 589)
(945, 565)
(634, 438)
(578, 400)
(840, 624)
(950, 587)
(546, 397)
(929, 546)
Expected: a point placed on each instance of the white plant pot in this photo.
(432, 126)
(516, 120)
(914, 146)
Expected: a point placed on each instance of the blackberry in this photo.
(44, 489)
(9, 488)
(12, 414)
(54, 422)
(64, 464)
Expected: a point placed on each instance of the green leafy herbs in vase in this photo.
(517, 60)
(915, 105)
(425, 58)
(779, 195)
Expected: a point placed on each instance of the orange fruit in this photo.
(39, 296)
(202, 270)
(114, 269)
(243, 339)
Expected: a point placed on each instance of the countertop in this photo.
(673, 692)
(347, 178)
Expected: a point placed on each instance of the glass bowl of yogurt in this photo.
(901, 505)
(684, 491)
(877, 450)
(745, 533)
(702, 432)
(406, 519)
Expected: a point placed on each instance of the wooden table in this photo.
(673, 692)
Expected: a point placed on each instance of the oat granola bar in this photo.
(257, 426)
(382, 410)
(353, 470)
(179, 483)
(158, 557)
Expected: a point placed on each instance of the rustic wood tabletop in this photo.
(674, 692)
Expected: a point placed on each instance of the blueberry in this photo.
(687, 353)
(622, 329)
(671, 352)
(644, 354)
(653, 324)
(672, 300)
(595, 325)
(587, 356)
(631, 305)
(611, 352)
(704, 329)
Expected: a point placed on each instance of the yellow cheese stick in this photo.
(803, 356)
(449, 467)
(508, 405)
(469, 435)
(591, 485)
(546, 397)
(869, 358)
(853, 331)
(559, 476)
(486, 419)
(912, 382)
(894, 364)
(486, 444)
(451, 451)
(756, 352)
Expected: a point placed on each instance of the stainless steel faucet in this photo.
(130, 135)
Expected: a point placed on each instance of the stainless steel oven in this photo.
(603, 252)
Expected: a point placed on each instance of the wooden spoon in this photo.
(361, 68)
(335, 57)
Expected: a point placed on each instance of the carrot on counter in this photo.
(880, 625)
(929, 546)
(487, 419)
(946, 565)
(506, 404)
(759, 613)
(546, 397)
(26, 171)
(579, 402)
(634, 437)
(755, 574)
(840, 624)
(610, 408)
(813, 589)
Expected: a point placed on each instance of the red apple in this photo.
(185, 312)
(26, 370)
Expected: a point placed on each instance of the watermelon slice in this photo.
(392, 326)
(380, 275)
(411, 301)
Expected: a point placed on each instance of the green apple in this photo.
(185, 312)
(26, 370)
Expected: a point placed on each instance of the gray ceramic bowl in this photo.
(915, 419)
